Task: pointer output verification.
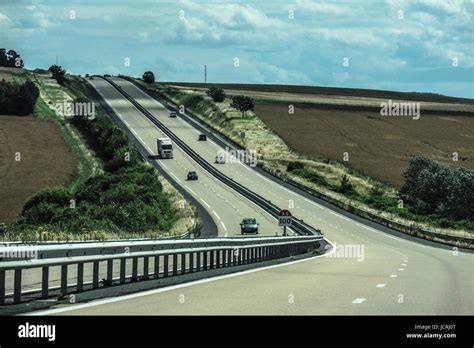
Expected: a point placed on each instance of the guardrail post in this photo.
(241, 256)
(110, 268)
(17, 287)
(2, 287)
(253, 255)
(165, 265)
(191, 262)
(156, 275)
(211, 266)
(95, 275)
(175, 264)
(218, 258)
(123, 267)
(45, 282)
(204, 265)
(63, 279)
(229, 258)
(198, 261)
(80, 277)
(183, 263)
(134, 269)
(145, 266)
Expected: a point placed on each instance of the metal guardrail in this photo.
(297, 225)
(159, 259)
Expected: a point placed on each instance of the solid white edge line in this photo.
(162, 164)
(194, 193)
(339, 215)
(223, 225)
(207, 204)
(172, 287)
(217, 216)
(175, 177)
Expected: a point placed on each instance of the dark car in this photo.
(202, 137)
(249, 225)
(173, 114)
(192, 176)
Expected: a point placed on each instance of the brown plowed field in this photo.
(378, 146)
(45, 160)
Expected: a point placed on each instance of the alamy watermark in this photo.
(76, 109)
(18, 251)
(395, 108)
(234, 156)
(351, 251)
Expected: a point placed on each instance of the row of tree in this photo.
(434, 188)
(10, 59)
(16, 99)
(239, 102)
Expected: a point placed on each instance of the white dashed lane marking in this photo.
(359, 300)
(380, 285)
(393, 275)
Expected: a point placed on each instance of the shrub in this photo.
(148, 77)
(217, 94)
(291, 166)
(345, 186)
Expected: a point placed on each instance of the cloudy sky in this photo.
(411, 45)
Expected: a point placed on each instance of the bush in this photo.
(242, 103)
(433, 188)
(58, 73)
(217, 94)
(131, 199)
(345, 185)
(18, 99)
(291, 166)
(148, 77)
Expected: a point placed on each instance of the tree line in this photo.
(10, 59)
(17, 99)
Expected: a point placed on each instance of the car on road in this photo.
(202, 137)
(249, 225)
(220, 159)
(192, 175)
(173, 114)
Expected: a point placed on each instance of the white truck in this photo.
(165, 148)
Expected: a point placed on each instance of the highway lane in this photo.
(226, 207)
(389, 275)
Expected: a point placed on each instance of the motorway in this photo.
(372, 271)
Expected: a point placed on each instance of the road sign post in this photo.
(284, 219)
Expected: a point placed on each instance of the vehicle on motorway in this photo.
(192, 175)
(249, 225)
(173, 114)
(220, 158)
(107, 75)
(202, 137)
(165, 148)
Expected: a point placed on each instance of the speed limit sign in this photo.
(284, 219)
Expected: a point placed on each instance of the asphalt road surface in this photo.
(371, 271)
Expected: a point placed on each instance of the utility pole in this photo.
(205, 73)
